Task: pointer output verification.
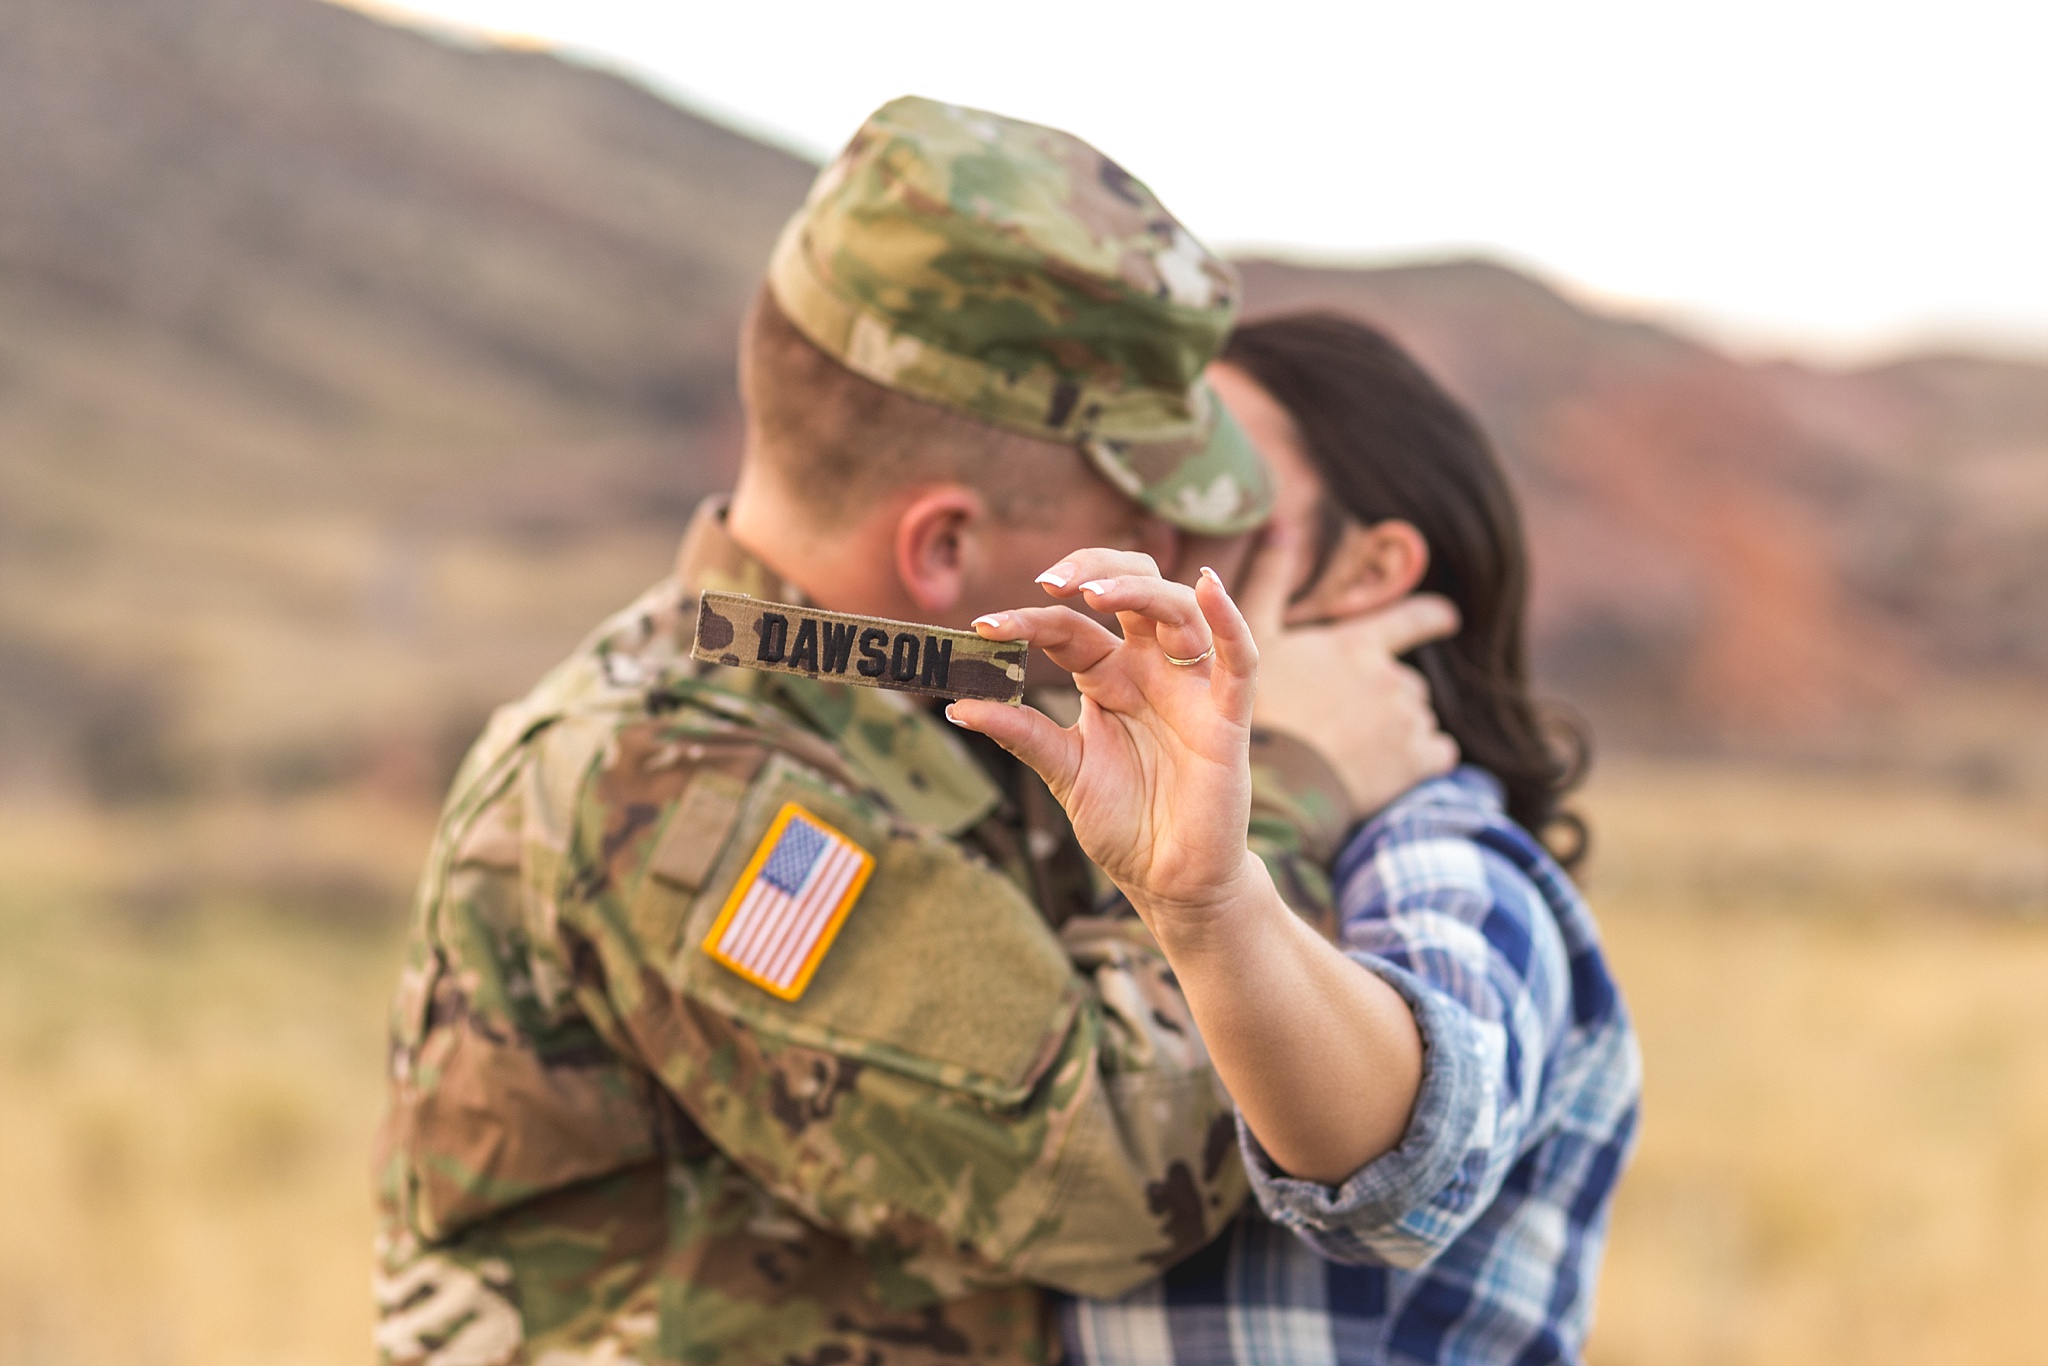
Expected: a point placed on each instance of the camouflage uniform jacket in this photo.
(603, 1146)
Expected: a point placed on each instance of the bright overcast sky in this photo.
(1839, 178)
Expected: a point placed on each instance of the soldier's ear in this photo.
(932, 545)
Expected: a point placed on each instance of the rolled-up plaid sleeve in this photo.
(1467, 939)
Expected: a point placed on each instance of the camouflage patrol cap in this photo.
(1013, 273)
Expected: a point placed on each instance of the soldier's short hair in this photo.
(834, 439)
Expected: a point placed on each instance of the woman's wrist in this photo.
(1236, 911)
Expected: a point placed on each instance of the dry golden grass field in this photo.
(1840, 983)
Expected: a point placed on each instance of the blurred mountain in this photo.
(348, 374)
(1769, 555)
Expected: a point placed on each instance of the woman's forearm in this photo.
(1322, 1057)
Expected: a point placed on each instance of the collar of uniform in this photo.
(711, 558)
(894, 743)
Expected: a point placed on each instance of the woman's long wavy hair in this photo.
(1388, 442)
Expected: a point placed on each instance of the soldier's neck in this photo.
(845, 568)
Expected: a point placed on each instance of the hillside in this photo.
(345, 376)
(348, 375)
(1768, 555)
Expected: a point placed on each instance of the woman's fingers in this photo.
(1234, 673)
(1029, 734)
(1129, 584)
(1064, 579)
(1152, 607)
(1184, 622)
(1070, 640)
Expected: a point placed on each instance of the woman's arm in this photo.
(1323, 1059)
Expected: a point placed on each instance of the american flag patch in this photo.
(789, 903)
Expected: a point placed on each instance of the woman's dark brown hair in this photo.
(1388, 442)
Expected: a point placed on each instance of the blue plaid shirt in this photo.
(1478, 1238)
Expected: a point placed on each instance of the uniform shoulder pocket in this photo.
(940, 969)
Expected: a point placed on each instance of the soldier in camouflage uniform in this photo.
(602, 1145)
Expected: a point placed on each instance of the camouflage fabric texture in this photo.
(1013, 273)
(873, 652)
(602, 1146)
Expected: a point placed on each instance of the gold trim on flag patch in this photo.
(789, 902)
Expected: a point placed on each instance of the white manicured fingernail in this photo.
(1057, 576)
(950, 717)
(1098, 586)
(992, 620)
(1209, 573)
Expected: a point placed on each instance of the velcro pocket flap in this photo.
(942, 970)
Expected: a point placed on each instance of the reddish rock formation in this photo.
(1763, 553)
(346, 376)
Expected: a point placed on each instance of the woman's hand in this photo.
(1155, 775)
(1322, 1057)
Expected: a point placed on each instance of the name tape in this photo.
(749, 633)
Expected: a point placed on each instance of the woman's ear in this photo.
(932, 549)
(1371, 567)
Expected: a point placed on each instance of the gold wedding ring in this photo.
(1187, 663)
